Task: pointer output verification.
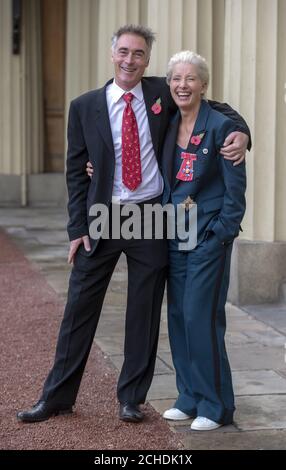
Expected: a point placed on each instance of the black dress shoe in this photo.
(130, 413)
(41, 411)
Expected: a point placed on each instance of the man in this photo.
(100, 124)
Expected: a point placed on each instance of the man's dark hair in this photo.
(138, 30)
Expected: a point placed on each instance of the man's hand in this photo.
(89, 169)
(74, 244)
(234, 147)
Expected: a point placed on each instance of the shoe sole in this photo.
(205, 429)
(131, 420)
(177, 419)
(38, 420)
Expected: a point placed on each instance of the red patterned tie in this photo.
(131, 164)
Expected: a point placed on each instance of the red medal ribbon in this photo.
(186, 171)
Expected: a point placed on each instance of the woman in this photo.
(198, 279)
(196, 175)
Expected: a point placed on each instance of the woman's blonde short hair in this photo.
(189, 57)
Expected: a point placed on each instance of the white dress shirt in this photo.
(152, 181)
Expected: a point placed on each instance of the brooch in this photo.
(187, 203)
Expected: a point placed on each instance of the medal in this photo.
(186, 170)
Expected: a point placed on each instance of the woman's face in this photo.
(186, 87)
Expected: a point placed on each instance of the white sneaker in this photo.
(175, 414)
(204, 424)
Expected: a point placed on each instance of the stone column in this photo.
(255, 75)
(21, 124)
(180, 24)
(90, 25)
(10, 96)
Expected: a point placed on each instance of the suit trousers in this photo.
(147, 269)
(197, 288)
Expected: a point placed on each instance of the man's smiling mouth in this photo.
(128, 70)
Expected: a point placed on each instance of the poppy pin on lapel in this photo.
(196, 139)
(157, 107)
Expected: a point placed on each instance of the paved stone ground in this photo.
(256, 344)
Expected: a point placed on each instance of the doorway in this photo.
(53, 13)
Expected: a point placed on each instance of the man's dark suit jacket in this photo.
(90, 138)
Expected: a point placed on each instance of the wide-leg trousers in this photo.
(197, 288)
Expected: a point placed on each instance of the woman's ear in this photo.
(204, 88)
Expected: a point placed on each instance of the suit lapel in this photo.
(200, 125)
(170, 148)
(101, 118)
(150, 97)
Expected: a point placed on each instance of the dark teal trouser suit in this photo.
(198, 279)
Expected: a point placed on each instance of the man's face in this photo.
(130, 59)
